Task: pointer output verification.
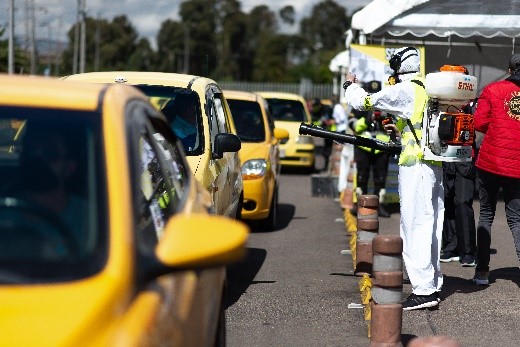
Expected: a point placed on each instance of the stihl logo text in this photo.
(465, 86)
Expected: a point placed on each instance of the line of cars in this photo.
(214, 125)
(120, 200)
(106, 237)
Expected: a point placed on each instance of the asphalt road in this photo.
(294, 287)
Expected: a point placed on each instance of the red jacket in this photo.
(497, 115)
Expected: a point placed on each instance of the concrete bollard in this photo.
(347, 195)
(386, 292)
(335, 159)
(434, 341)
(367, 229)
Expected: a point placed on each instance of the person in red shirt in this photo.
(497, 116)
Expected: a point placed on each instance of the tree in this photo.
(143, 58)
(170, 46)
(323, 37)
(287, 14)
(198, 19)
(21, 60)
(326, 26)
(117, 42)
(231, 43)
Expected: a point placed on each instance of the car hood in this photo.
(254, 150)
(66, 314)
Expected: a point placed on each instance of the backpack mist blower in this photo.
(314, 130)
(449, 132)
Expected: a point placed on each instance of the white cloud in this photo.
(145, 15)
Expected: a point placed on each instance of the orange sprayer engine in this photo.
(449, 131)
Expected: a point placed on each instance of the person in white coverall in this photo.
(347, 152)
(421, 190)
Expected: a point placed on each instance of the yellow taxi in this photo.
(259, 155)
(289, 111)
(199, 116)
(105, 237)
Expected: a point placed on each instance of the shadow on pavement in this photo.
(453, 285)
(506, 273)
(241, 275)
(285, 215)
(406, 338)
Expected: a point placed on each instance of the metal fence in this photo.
(305, 88)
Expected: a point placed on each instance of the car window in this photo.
(181, 106)
(221, 114)
(52, 194)
(270, 119)
(287, 110)
(248, 120)
(216, 114)
(162, 176)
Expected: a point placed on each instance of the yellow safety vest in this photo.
(412, 152)
(360, 129)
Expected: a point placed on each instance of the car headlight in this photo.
(304, 140)
(253, 169)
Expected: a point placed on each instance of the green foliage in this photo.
(198, 19)
(287, 15)
(113, 42)
(216, 38)
(326, 26)
(21, 60)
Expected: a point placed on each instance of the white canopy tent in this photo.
(479, 34)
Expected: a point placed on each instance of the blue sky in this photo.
(55, 17)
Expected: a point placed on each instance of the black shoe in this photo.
(415, 302)
(468, 260)
(447, 257)
(382, 212)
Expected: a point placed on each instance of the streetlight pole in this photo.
(83, 37)
(186, 65)
(10, 59)
(76, 41)
(32, 34)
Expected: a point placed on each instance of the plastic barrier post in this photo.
(386, 292)
(367, 229)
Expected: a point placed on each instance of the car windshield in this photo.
(248, 119)
(287, 110)
(52, 209)
(181, 107)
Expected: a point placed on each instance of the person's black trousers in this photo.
(378, 163)
(459, 232)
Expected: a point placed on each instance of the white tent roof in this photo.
(442, 18)
(342, 59)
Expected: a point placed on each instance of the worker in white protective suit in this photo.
(421, 190)
(340, 117)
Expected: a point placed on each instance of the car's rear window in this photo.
(52, 195)
(287, 110)
(181, 106)
(248, 119)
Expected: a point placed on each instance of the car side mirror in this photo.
(197, 241)
(281, 134)
(225, 142)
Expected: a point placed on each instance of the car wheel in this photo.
(238, 215)
(270, 222)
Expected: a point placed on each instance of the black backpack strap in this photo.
(408, 121)
(419, 83)
(410, 125)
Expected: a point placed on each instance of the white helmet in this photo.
(405, 60)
